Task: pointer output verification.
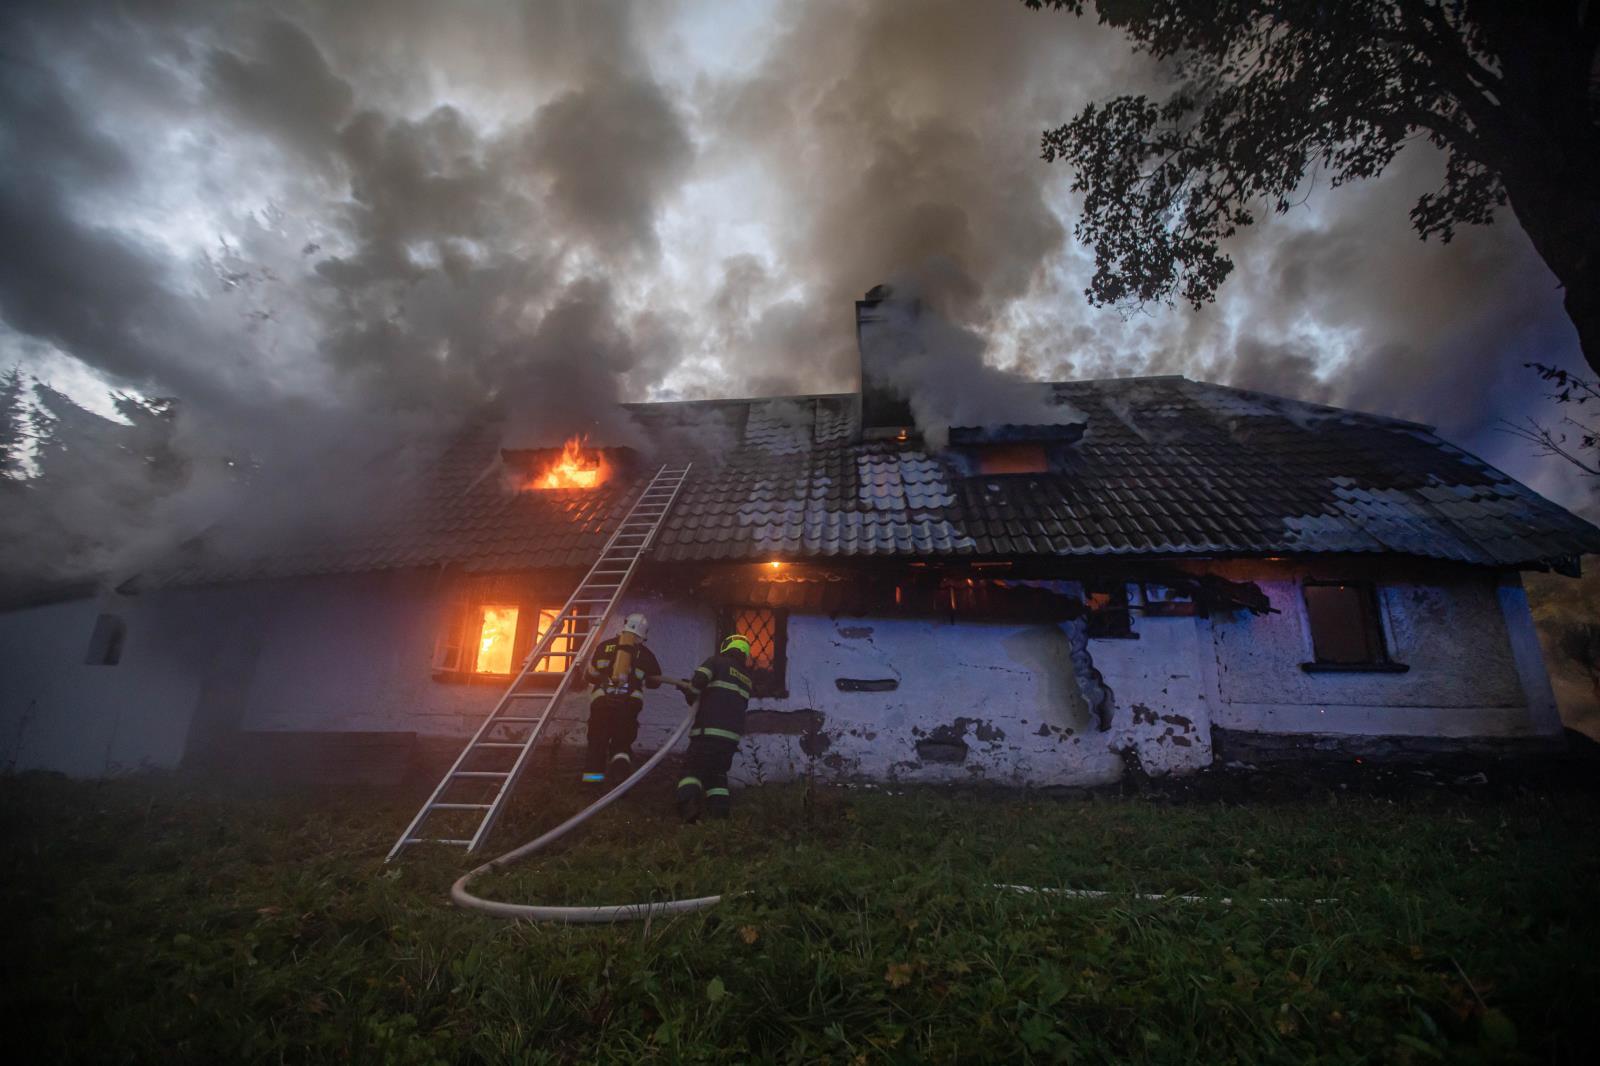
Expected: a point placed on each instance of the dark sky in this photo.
(309, 219)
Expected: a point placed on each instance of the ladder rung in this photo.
(538, 695)
(479, 773)
(602, 599)
(437, 840)
(519, 721)
(461, 806)
(497, 744)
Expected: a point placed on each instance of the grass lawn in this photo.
(155, 919)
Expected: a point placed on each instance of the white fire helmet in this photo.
(638, 625)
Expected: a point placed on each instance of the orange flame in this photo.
(575, 468)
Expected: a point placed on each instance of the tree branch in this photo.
(1547, 442)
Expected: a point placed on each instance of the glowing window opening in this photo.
(1013, 459)
(768, 632)
(497, 634)
(566, 641)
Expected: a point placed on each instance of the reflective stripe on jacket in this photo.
(724, 688)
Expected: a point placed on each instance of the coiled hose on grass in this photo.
(622, 912)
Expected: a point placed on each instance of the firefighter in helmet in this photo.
(721, 689)
(617, 675)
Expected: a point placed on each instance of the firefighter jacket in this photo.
(599, 671)
(723, 685)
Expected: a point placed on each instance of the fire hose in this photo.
(627, 912)
(622, 912)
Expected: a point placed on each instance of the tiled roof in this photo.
(1166, 467)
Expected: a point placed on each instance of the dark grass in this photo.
(159, 920)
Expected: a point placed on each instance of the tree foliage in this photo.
(1271, 92)
(1577, 437)
(13, 424)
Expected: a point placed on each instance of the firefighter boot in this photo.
(690, 799)
(717, 803)
(619, 768)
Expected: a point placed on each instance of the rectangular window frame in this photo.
(460, 629)
(573, 635)
(1011, 459)
(1110, 614)
(475, 618)
(1379, 659)
(770, 683)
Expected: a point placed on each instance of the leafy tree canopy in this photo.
(1269, 90)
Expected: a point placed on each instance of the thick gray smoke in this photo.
(911, 347)
(366, 270)
(339, 232)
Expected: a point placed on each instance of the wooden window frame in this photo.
(475, 626)
(460, 628)
(773, 683)
(1379, 659)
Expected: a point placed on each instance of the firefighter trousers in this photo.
(613, 727)
(704, 784)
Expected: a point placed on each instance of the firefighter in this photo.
(721, 687)
(618, 674)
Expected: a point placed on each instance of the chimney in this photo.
(884, 337)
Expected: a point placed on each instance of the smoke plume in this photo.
(337, 233)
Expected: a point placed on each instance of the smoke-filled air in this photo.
(261, 258)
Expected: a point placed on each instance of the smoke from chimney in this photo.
(918, 369)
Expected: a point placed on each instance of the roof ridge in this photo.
(1389, 420)
(633, 404)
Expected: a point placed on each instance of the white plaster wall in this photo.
(1012, 683)
(1465, 676)
(355, 653)
(1025, 721)
(57, 713)
(1161, 684)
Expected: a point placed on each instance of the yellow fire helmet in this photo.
(737, 642)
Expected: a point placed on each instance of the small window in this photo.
(105, 643)
(1012, 459)
(1345, 627)
(768, 632)
(1109, 616)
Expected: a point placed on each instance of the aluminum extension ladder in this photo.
(480, 781)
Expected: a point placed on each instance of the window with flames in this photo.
(489, 638)
(767, 629)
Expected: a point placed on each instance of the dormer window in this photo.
(989, 451)
(1022, 458)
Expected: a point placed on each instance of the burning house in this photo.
(1137, 569)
